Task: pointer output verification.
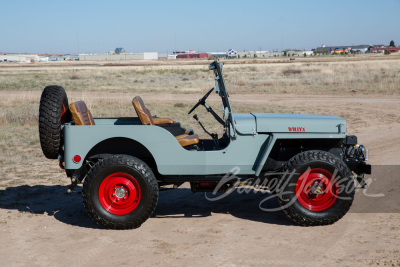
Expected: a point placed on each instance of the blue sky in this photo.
(100, 26)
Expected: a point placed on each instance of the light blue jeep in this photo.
(307, 161)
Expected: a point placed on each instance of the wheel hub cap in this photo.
(316, 189)
(119, 193)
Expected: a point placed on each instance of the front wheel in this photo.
(120, 192)
(316, 189)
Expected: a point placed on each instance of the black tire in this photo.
(319, 163)
(52, 102)
(99, 178)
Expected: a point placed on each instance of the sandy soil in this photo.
(41, 226)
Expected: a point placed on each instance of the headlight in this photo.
(363, 151)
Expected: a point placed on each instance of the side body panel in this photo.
(170, 157)
(249, 150)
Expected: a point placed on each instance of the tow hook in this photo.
(361, 182)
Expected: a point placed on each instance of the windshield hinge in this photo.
(341, 128)
(217, 86)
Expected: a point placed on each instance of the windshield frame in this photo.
(220, 89)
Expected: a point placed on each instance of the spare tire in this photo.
(53, 112)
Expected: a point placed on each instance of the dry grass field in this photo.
(39, 225)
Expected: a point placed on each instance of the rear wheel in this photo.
(53, 112)
(120, 192)
(317, 189)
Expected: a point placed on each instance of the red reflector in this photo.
(77, 158)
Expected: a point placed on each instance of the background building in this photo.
(347, 49)
(251, 54)
(121, 56)
(219, 54)
(383, 48)
(26, 58)
(198, 55)
(232, 53)
(119, 50)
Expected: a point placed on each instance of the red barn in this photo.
(199, 55)
(382, 49)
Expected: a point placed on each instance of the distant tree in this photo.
(392, 44)
(305, 55)
(244, 56)
(387, 52)
(238, 56)
(284, 53)
(255, 55)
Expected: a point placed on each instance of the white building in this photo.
(19, 58)
(43, 59)
(122, 56)
(259, 54)
(299, 53)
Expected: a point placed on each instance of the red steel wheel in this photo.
(119, 193)
(316, 189)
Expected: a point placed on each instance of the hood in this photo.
(285, 123)
(288, 123)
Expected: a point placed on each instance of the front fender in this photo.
(278, 136)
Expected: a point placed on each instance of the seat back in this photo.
(146, 119)
(142, 112)
(81, 113)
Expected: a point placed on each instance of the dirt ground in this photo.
(42, 226)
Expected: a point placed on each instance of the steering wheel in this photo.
(202, 101)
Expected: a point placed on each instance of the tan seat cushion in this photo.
(81, 114)
(189, 140)
(162, 121)
(181, 136)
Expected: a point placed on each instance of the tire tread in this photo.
(304, 158)
(52, 98)
(120, 160)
